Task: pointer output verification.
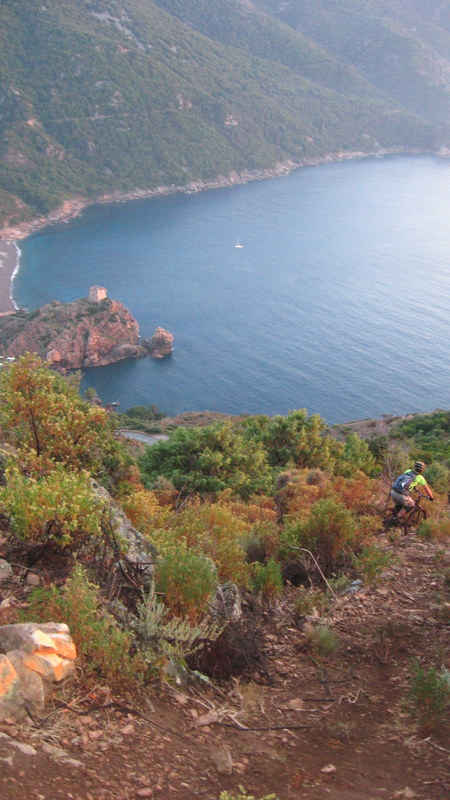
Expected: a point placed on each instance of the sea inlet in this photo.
(337, 301)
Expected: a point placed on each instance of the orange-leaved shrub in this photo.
(366, 527)
(260, 515)
(143, 509)
(329, 533)
(436, 530)
(359, 493)
(42, 415)
(297, 491)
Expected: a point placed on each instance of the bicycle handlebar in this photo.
(427, 497)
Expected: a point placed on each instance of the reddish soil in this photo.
(304, 727)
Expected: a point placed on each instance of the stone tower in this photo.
(97, 293)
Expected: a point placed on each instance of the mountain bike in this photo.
(411, 519)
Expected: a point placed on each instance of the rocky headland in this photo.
(90, 332)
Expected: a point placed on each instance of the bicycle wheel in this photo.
(414, 518)
(390, 519)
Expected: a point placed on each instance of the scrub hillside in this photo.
(242, 617)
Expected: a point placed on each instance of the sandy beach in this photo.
(8, 263)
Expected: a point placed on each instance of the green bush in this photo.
(187, 580)
(164, 638)
(58, 507)
(370, 562)
(438, 476)
(356, 456)
(429, 696)
(267, 579)
(244, 796)
(322, 640)
(311, 601)
(208, 460)
(429, 432)
(144, 413)
(328, 533)
(295, 440)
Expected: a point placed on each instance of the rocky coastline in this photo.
(91, 332)
(73, 207)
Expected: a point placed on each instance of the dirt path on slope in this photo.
(304, 728)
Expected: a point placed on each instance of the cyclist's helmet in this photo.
(419, 466)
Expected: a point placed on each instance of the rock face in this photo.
(140, 554)
(90, 332)
(161, 343)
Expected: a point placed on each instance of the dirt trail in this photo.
(334, 728)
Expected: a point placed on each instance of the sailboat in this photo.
(238, 245)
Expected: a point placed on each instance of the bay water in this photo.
(338, 300)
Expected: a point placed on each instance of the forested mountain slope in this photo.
(401, 46)
(102, 96)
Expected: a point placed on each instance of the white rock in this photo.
(6, 570)
(207, 719)
(24, 748)
(54, 752)
(296, 704)
(221, 758)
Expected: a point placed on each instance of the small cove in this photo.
(338, 300)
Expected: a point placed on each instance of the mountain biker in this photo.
(411, 478)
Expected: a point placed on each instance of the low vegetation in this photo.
(242, 795)
(429, 696)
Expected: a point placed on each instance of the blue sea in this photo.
(338, 300)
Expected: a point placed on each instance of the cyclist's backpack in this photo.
(403, 482)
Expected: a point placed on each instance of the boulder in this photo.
(32, 637)
(9, 686)
(32, 655)
(161, 343)
(6, 570)
(226, 606)
(30, 692)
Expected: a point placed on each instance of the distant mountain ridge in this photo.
(103, 97)
(402, 47)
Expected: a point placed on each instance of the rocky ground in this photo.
(304, 726)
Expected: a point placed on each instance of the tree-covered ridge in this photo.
(103, 97)
(236, 24)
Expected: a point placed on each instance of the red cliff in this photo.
(90, 332)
